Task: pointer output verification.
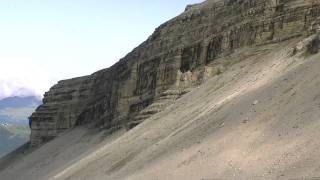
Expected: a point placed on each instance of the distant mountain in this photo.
(18, 101)
(12, 136)
(16, 110)
(14, 113)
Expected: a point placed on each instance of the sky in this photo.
(43, 41)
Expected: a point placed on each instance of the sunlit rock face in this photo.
(179, 55)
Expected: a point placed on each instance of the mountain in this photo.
(12, 136)
(18, 102)
(16, 110)
(14, 128)
(226, 90)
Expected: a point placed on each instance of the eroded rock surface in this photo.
(179, 55)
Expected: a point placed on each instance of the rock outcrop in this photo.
(179, 55)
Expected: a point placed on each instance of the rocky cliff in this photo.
(180, 54)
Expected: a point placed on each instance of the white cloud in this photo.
(22, 77)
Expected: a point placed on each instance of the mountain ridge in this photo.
(226, 90)
(181, 54)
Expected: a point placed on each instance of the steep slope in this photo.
(226, 90)
(257, 120)
(179, 55)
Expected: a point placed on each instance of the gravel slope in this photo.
(259, 119)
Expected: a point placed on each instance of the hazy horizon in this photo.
(45, 41)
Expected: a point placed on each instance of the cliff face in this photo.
(179, 55)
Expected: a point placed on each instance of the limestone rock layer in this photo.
(180, 54)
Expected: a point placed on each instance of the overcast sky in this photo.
(43, 41)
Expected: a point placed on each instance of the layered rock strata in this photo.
(180, 54)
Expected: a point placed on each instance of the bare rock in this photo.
(175, 56)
